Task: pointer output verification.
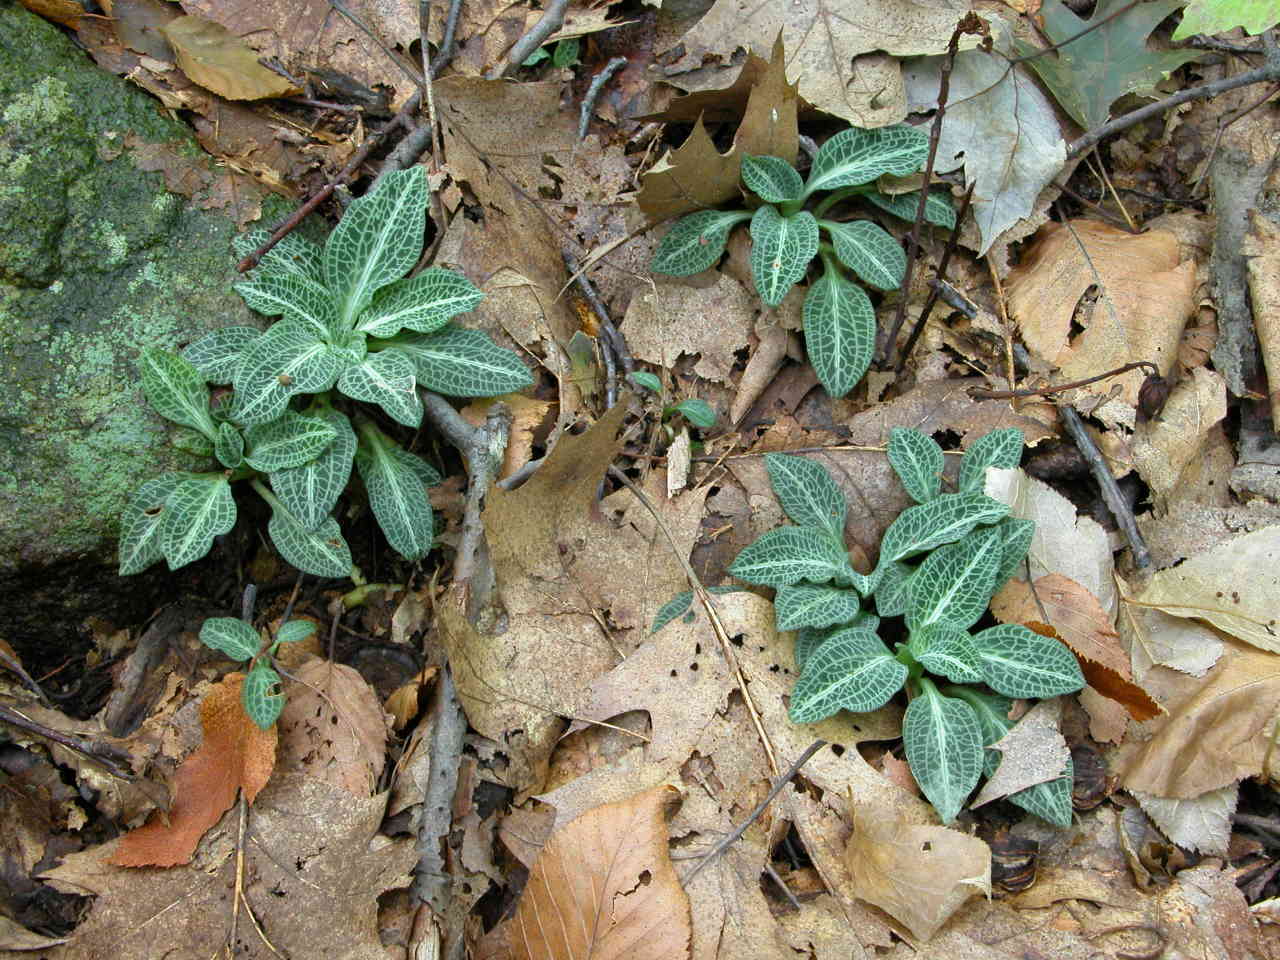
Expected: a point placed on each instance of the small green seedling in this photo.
(839, 322)
(695, 410)
(940, 562)
(259, 694)
(563, 54)
(352, 333)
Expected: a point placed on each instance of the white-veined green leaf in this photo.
(917, 460)
(998, 448)
(458, 362)
(893, 590)
(386, 378)
(855, 156)
(217, 354)
(1017, 534)
(850, 670)
(807, 493)
(788, 555)
(868, 251)
(321, 551)
(937, 208)
(944, 519)
(424, 303)
(296, 297)
(814, 605)
(643, 378)
(350, 348)
(698, 412)
(839, 331)
(199, 508)
(679, 605)
(258, 694)
(235, 638)
(808, 639)
(191, 441)
(290, 441)
(565, 53)
(310, 491)
(397, 493)
(288, 359)
(536, 57)
(781, 248)
(376, 242)
(140, 544)
(944, 746)
(695, 242)
(946, 651)
(228, 446)
(176, 390)
(292, 254)
(772, 179)
(955, 582)
(295, 630)
(1018, 662)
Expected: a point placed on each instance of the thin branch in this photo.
(391, 55)
(979, 394)
(593, 93)
(615, 343)
(551, 21)
(449, 42)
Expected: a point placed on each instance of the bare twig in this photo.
(391, 55)
(615, 344)
(778, 784)
(1111, 494)
(979, 394)
(593, 93)
(551, 21)
(449, 42)
(432, 883)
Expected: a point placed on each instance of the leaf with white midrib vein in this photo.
(781, 248)
(918, 462)
(1018, 662)
(176, 390)
(946, 651)
(140, 543)
(695, 242)
(856, 156)
(396, 493)
(943, 741)
(310, 490)
(996, 448)
(199, 508)
(459, 362)
(869, 252)
(424, 303)
(296, 297)
(814, 605)
(839, 331)
(788, 555)
(386, 378)
(850, 670)
(937, 208)
(235, 638)
(286, 360)
(292, 254)
(944, 519)
(807, 493)
(217, 354)
(261, 703)
(321, 551)
(772, 179)
(290, 441)
(955, 582)
(1016, 534)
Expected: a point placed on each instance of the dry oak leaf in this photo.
(218, 60)
(1144, 298)
(1178, 439)
(235, 753)
(603, 887)
(669, 320)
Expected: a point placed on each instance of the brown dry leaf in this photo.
(1154, 638)
(919, 875)
(1144, 298)
(313, 871)
(824, 43)
(235, 754)
(1164, 448)
(1200, 823)
(65, 12)
(402, 703)
(694, 176)
(1261, 249)
(1232, 586)
(1216, 732)
(333, 728)
(1034, 751)
(603, 887)
(669, 320)
(528, 416)
(216, 59)
(491, 27)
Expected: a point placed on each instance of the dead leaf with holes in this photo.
(602, 887)
(671, 319)
(1173, 445)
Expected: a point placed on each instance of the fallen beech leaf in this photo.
(1201, 823)
(1033, 751)
(212, 56)
(603, 887)
(235, 753)
(1166, 446)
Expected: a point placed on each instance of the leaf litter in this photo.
(597, 732)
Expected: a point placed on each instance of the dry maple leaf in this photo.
(235, 753)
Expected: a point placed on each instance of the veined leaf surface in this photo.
(1018, 662)
(388, 379)
(217, 354)
(839, 331)
(937, 207)
(788, 555)
(397, 493)
(781, 248)
(772, 179)
(955, 582)
(679, 605)
(695, 242)
(868, 251)
(176, 390)
(946, 651)
(807, 493)
(199, 508)
(310, 491)
(289, 441)
(424, 303)
(296, 297)
(918, 461)
(814, 605)
(850, 670)
(944, 519)
(235, 638)
(228, 447)
(294, 631)
(698, 412)
(377, 241)
(458, 362)
(293, 254)
(286, 360)
(997, 448)
(856, 156)
(321, 551)
(1017, 534)
(894, 588)
(943, 742)
(261, 700)
(140, 543)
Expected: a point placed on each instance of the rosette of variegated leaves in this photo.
(355, 333)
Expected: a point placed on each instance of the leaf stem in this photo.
(839, 195)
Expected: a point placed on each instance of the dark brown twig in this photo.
(552, 20)
(103, 755)
(980, 394)
(593, 93)
(614, 341)
(1111, 494)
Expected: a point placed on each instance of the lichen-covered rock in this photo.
(97, 261)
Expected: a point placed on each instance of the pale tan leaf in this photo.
(669, 320)
(1034, 751)
(1261, 249)
(216, 59)
(1165, 447)
(1200, 823)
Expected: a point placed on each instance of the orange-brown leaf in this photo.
(235, 754)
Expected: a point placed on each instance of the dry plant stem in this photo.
(432, 882)
(103, 754)
(593, 93)
(15, 667)
(979, 394)
(713, 615)
(1222, 128)
(448, 42)
(551, 21)
(774, 790)
(615, 342)
(933, 293)
(1111, 494)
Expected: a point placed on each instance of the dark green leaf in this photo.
(695, 242)
(697, 412)
(868, 251)
(946, 651)
(235, 638)
(679, 605)
(944, 519)
(1017, 534)
(997, 448)
(643, 378)
(290, 441)
(781, 248)
(309, 491)
(1018, 662)
(424, 303)
(199, 508)
(788, 555)
(286, 360)
(918, 461)
(297, 298)
(772, 179)
(397, 493)
(955, 582)
(814, 605)
(807, 493)
(177, 390)
(839, 331)
(217, 354)
(387, 378)
(943, 742)
(855, 156)
(850, 670)
(229, 446)
(458, 362)
(261, 700)
(937, 209)
(140, 544)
